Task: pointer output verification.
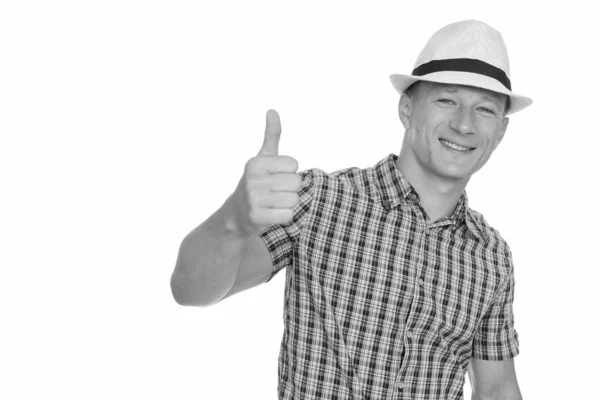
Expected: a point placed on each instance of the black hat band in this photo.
(464, 65)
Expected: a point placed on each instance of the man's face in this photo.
(452, 130)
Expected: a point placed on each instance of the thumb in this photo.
(270, 146)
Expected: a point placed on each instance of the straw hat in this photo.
(465, 53)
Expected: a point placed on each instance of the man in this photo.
(394, 286)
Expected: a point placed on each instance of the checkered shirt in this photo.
(381, 303)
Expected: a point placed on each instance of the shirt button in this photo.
(421, 281)
(409, 334)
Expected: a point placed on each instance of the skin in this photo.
(464, 115)
(474, 118)
(225, 255)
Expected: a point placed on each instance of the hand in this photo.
(268, 190)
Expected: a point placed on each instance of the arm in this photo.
(496, 343)
(493, 380)
(225, 254)
(216, 260)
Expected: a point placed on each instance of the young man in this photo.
(394, 286)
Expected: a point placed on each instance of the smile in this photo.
(455, 146)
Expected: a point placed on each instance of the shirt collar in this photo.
(462, 212)
(393, 186)
(395, 189)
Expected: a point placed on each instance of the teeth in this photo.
(454, 146)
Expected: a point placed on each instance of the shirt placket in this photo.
(416, 282)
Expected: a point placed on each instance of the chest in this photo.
(377, 273)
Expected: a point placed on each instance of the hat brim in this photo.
(518, 102)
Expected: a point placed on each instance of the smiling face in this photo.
(451, 130)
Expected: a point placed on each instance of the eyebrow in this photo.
(484, 96)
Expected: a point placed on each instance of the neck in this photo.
(439, 196)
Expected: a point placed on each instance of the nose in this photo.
(463, 121)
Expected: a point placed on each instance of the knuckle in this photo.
(295, 199)
(254, 164)
(297, 182)
(290, 200)
(287, 215)
(293, 164)
(291, 182)
(250, 165)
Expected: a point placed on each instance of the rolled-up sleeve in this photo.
(496, 337)
(280, 239)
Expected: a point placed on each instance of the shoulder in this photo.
(493, 239)
(496, 253)
(346, 180)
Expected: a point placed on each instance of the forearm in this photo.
(208, 259)
(493, 380)
(512, 395)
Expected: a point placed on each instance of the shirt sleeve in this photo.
(280, 239)
(496, 338)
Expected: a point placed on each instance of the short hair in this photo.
(507, 106)
(412, 88)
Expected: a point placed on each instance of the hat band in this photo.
(464, 65)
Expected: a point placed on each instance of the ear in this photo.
(503, 127)
(404, 106)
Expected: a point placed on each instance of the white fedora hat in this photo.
(465, 53)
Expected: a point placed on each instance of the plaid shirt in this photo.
(381, 303)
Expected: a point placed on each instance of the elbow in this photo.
(180, 298)
(185, 293)
(182, 291)
(177, 291)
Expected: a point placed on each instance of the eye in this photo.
(446, 101)
(487, 110)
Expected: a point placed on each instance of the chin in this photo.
(456, 174)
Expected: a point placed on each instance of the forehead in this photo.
(435, 88)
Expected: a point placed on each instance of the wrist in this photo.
(231, 219)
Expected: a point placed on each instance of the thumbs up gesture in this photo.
(268, 191)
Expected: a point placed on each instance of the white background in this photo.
(125, 124)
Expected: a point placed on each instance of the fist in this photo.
(268, 190)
